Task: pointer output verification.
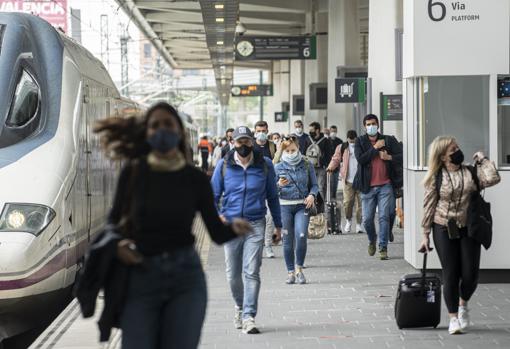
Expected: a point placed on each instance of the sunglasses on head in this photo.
(289, 138)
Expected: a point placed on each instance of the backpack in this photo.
(314, 153)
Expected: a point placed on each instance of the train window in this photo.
(26, 101)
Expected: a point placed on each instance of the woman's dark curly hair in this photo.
(125, 138)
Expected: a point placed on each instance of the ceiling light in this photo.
(219, 6)
(220, 42)
(220, 20)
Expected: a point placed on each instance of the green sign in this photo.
(350, 90)
(281, 116)
(391, 107)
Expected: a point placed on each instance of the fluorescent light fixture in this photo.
(220, 20)
(219, 6)
(219, 42)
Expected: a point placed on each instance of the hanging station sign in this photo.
(54, 11)
(275, 47)
(252, 90)
(350, 90)
(452, 37)
(281, 116)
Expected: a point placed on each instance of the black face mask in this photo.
(244, 150)
(457, 158)
(313, 134)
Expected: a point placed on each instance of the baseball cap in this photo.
(242, 132)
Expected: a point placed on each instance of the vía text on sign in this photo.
(438, 10)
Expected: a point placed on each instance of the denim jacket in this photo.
(302, 182)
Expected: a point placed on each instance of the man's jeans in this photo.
(381, 197)
(295, 233)
(243, 258)
(334, 183)
(321, 174)
(165, 303)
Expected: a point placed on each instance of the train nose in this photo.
(16, 260)
(14, 253)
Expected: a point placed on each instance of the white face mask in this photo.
(332, 135)
(299, 131)
(292, 158)
(372, 130)
(223, 143)
(261, 136)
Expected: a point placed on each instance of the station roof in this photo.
(200, 34)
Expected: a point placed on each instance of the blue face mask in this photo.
(372, 130)
(163, 140)
(292, 159)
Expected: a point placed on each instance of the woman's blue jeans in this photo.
(166, 301)
(295, 234)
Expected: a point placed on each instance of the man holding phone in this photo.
(245, 179)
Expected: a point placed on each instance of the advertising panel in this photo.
(53, 11)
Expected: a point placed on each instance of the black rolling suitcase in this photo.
(418, 302)
(334, 215)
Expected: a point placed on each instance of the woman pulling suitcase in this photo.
(448, 188)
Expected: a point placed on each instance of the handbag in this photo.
(479, 218)
(317, 227)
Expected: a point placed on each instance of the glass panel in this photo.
(26, 101)
(458, 106)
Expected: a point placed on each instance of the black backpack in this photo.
(479, 218)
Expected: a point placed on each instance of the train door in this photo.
(88, 109)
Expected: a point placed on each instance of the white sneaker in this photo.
(269, 252)
(464, 319)
(454, 326)
(238, 318)
(348, 224)
(359, 228)
(249, 326)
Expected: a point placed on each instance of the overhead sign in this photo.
(252, 90)
(281, 116)
(53, 11)
(391, 107)
(275, 47)
(449, 37)
(350, 90)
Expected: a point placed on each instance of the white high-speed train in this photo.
(56, 184)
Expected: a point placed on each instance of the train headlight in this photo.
(15, 219)
(29, 218)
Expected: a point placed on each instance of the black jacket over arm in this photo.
(365, 152)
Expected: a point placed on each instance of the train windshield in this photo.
(26, 101)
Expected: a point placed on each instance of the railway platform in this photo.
(347, 303)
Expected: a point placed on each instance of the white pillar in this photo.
(344, 50)
(280, 94)
(316, 70)
(385, 16)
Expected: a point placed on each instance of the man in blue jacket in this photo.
(245, 180)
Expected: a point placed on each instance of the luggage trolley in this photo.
(334, 216)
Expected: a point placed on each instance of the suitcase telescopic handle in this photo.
(424, 271)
